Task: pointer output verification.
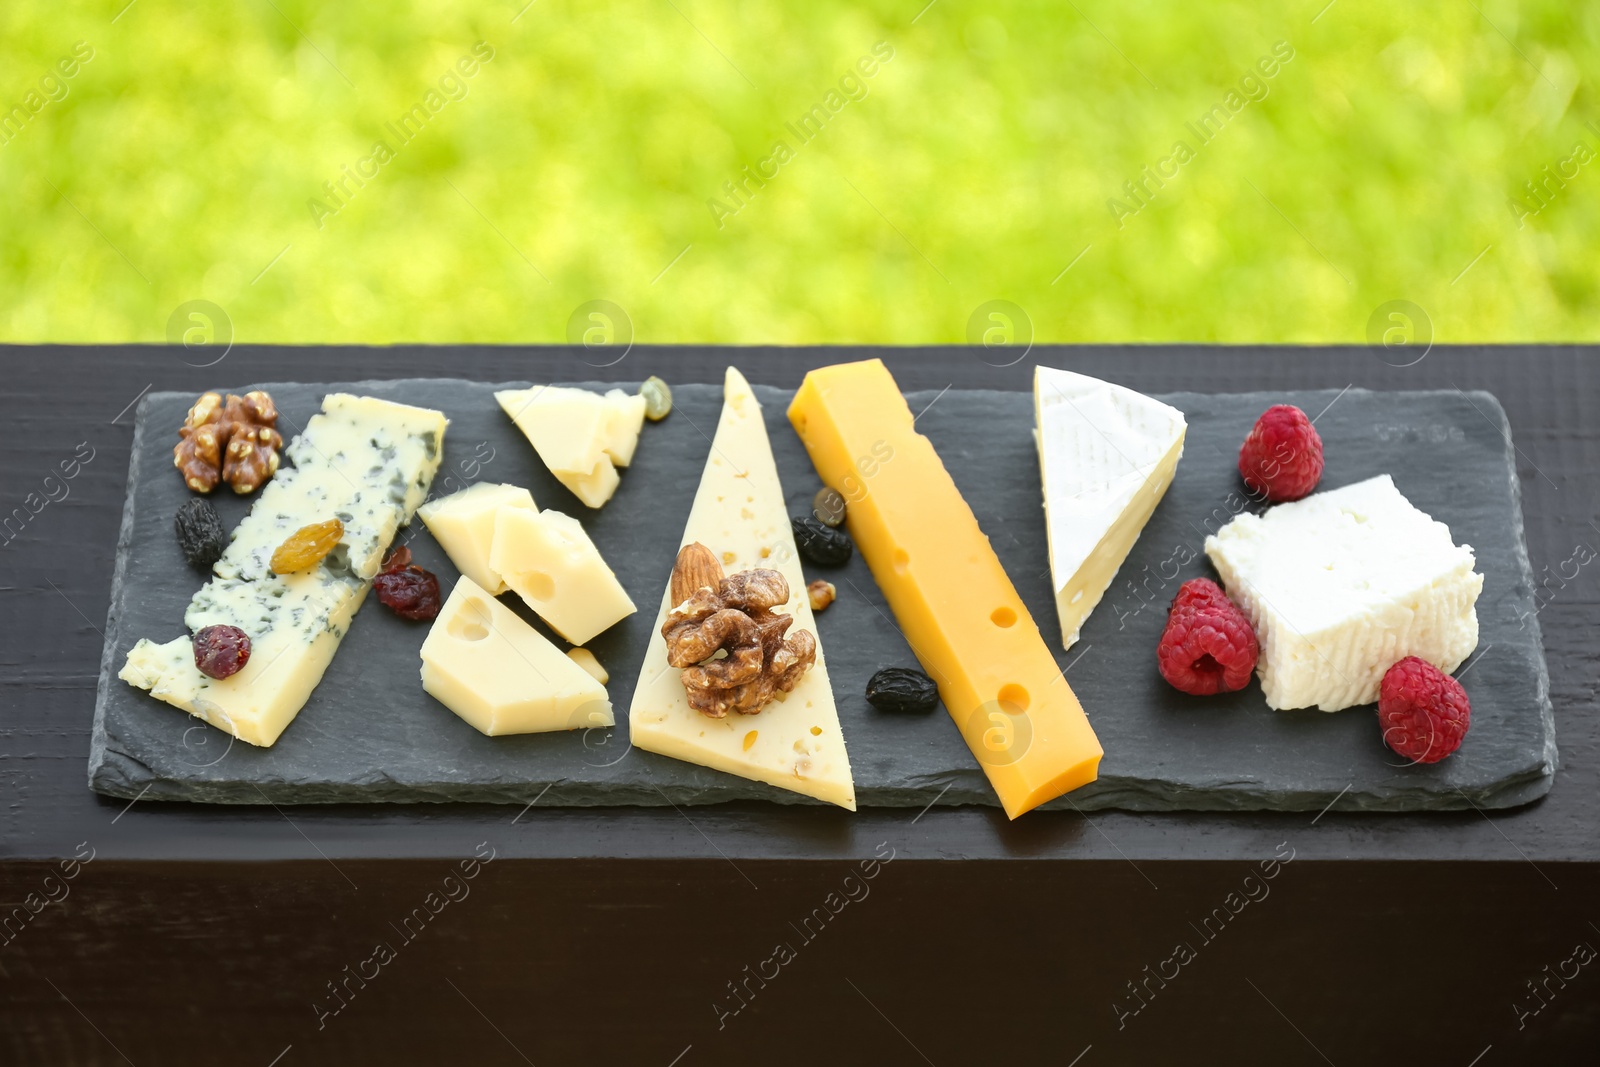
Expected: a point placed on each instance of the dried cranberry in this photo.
(221, 651)
(400, 557)
(410, 592)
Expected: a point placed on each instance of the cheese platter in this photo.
(1043, 563)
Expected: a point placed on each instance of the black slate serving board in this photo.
(371, 734)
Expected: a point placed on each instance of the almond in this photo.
(696, 568)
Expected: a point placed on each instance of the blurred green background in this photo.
(586, 159)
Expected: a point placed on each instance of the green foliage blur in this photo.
(600, 152)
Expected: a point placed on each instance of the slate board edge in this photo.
(108, 769)
(1520, 544)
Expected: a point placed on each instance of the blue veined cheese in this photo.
(365, 461)
(1341, 586)
(295, 623)
(371, 458)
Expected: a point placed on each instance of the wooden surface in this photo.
(206, 935)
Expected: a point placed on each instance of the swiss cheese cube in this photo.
(501, 675)
(463, 524)
(550, 562)
(958, 610)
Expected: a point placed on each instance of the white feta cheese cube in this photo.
(1342, 585)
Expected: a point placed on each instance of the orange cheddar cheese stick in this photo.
(953, 601)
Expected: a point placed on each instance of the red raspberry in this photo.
(1282, 457)
(1423, 711)
(1208, 646)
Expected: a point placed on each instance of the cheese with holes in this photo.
(501, 675)
(1342, 585)
(955, 605)
(1106, 457)
(463, 524)
(739, 513)
(368, 459)
(549, 561)
(583, 437)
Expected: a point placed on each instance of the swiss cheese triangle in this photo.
(739, 513)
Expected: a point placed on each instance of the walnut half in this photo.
(236, 441)
(732, 615)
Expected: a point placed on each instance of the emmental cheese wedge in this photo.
(582, 437)
(463, 524)
(957, 608)
(1106, 457)
(550, 562)
(501, 675)
(794, 742)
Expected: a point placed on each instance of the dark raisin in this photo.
(200, 532)
(824, 545)
(828, 506)
(902, 689)
(410, 592)
(221, 651)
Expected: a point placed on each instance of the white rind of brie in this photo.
(1106, 456)
(1342, 585)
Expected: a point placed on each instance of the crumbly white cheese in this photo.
(1342, 585)
(369, 459)
(1106, 456)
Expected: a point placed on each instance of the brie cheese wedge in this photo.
(1106, 455)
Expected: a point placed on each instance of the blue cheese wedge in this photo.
(364, 461)
(1341, 586)
(739, 513)
(371, 460)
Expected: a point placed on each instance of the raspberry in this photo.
(1282, 457)
(1423, 711)
(1208, 646)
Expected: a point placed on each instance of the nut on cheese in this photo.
(793, 742)
(953, 601)
(501, 675)
(463, 524)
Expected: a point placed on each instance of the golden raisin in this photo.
(306, 546)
